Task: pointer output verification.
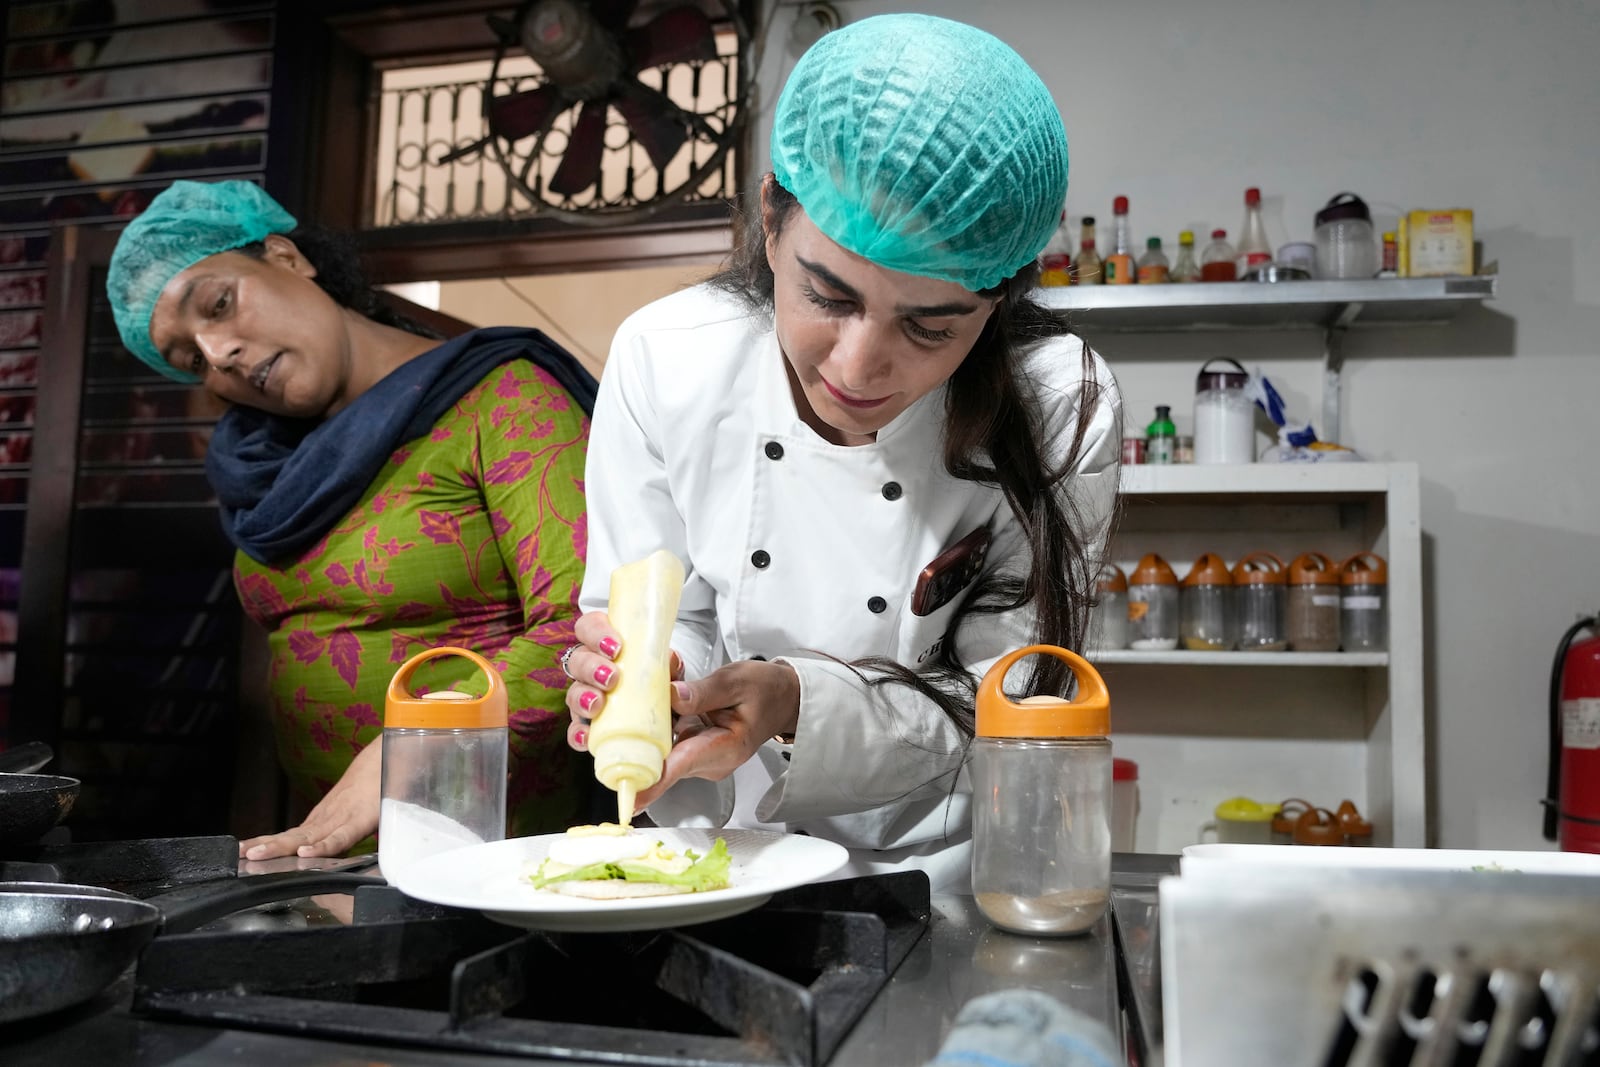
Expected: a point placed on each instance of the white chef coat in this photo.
(798, 549)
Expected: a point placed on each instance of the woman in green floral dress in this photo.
(388, 492)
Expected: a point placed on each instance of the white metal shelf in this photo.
(1270, 306)
(1240, 659)
(1295, 481)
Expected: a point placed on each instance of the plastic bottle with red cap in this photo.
(1121, 262)
(1217, 262)
(1254, 249)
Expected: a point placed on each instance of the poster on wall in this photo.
(103, 103)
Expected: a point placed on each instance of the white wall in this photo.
(1486, 104)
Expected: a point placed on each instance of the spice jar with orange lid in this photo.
(1207, 606)
(1108, 627)
(1041, 837)
(444, 765)
(1260, 582)
(1313, 604)
(1153, 606)
(1363, 602)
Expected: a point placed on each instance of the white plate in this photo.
(1199, 857)
(492, 878)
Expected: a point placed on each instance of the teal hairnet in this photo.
(186, 223)
(925, 145)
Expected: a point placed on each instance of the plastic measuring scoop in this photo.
(632, 733)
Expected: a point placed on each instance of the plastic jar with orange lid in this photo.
(1108, 627)
(1363, 603)
(1259, 579)
(1153, 606)
(1207, 603)
(1313, 604)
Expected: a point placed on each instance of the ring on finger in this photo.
(566, 655)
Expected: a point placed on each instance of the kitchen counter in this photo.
(960, 957)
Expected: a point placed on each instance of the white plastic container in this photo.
(1224, 418)
(1124, 803)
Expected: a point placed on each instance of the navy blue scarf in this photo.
(284, 483)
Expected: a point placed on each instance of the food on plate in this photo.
(612, 862)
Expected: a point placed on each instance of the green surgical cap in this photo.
(186, 223)
(924, 145)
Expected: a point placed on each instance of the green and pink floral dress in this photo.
(472, 535)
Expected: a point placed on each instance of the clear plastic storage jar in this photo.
(1364, 603)
(1347, 247)
(444, 766)
(1313, 603)
(1259, 580)
(1224, 417)
(1124, 804)
(1207, 606)
(1109, 626)
(1153, 606)
(1034, 869)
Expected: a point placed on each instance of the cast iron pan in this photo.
(31, 804)
(60, 944)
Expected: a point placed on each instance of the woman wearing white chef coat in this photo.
(882, 464)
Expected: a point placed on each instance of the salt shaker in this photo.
(1041, 832)
(444, 766)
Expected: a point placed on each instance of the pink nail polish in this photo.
(602, 675)
(610, 646)
(580, 737)
(587, 700)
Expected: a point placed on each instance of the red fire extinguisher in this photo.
(1572, 801)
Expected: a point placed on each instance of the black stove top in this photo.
(782, 984)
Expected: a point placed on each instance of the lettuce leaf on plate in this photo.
(706, 872)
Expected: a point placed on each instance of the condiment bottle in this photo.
(1185, 268)
(444, 765)
(1153, 268)
(1259, 580)
(632, 733)
(1088, 270)
(1313, 604)
(1120, 267)
(1055, 265)
(1254, 248)
(1108, 627)
(1041, 836)
(1364, 589)
(1153, 606)
(1161, 437)
(1224, 416)
(1217, 261)
(1207, 606)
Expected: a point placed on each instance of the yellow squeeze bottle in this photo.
(632, 734)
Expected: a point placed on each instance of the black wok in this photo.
(61, 944)
(30, 804)
(25, 759)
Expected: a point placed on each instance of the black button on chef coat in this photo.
(892, 491)
(774, 450)
(760, 559)
(877, 605)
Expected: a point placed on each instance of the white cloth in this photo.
(693, 399)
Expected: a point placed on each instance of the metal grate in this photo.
(1405, 1013)
(419, 123)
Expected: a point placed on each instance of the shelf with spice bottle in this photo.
(1203, 724)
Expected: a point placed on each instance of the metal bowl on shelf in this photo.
(1277, 272)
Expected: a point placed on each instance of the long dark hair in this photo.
(993, 435)
(341, 275)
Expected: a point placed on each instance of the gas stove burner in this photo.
(779, 985)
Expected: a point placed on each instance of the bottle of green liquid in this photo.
(1161, 437)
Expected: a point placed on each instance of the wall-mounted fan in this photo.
(634, 106)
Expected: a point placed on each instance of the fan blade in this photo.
(678, 35)
(580, 164)
(613, 14)
(524, 114)
(656, 123)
